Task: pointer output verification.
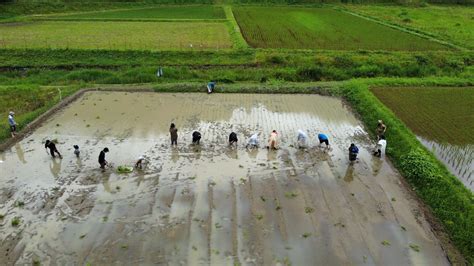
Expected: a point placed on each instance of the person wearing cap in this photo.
(12, 123)
(380, 130)
(102, 160)
(140, 162)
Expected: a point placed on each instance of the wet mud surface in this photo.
(207, 204)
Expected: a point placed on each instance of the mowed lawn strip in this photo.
(163, 12)
(115, 35)
(444, 114)
(450, 23)
(322, 28)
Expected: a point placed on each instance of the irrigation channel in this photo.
(207, 204)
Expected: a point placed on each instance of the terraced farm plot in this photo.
(450, 23)
(322, 28)
(163, 12)
(115, 35)
(443, 119)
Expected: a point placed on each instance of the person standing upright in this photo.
(380, 130)
(12, 123)
(174, 134)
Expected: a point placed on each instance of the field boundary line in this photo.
(235, 32)
(415, 32)
(130, 20)
(147, 6)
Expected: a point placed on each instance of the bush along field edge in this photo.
(449, 200)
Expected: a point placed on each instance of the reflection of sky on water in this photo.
(459, 160)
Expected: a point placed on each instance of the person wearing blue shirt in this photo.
(210, 87)
(353, 151)
(12, 123)
(323, 139)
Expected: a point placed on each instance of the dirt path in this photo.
(209, 204)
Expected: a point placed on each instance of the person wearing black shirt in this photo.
(52, 149)
(102, 160)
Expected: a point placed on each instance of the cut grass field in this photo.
(453, 24)
(322, 28)
(162, 12)
(116, 35)
(443, 114)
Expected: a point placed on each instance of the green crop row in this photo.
(322, 28)
(450, 201)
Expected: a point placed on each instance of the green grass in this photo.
(63, 67)
(28, 102)
(451, 23)
(162, 12)
(444, 114)
(115, 35)
(322, 28)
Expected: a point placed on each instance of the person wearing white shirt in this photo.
(253, 141)
(302, 139)
(381, 145)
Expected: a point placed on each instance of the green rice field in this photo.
(443, 114)
(162, 12)
(115, 35)
(450, 23)
(322, 28)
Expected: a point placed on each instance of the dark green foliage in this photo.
(450, 201)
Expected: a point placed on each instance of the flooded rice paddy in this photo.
(458, 159)
(207, 204)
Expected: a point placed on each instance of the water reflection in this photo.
(459, 160)
(55, 167)
(349, 176)
(20, 153)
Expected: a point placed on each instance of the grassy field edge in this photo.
(450, 201)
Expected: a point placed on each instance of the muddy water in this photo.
(207, 204)
(458, 159)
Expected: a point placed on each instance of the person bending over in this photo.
(323, 139)
(52, 149)
(353, 151)
(302, 139)
(273, 140)
(381, 145)
(196, 137)
(253, 141)
(233, 138)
